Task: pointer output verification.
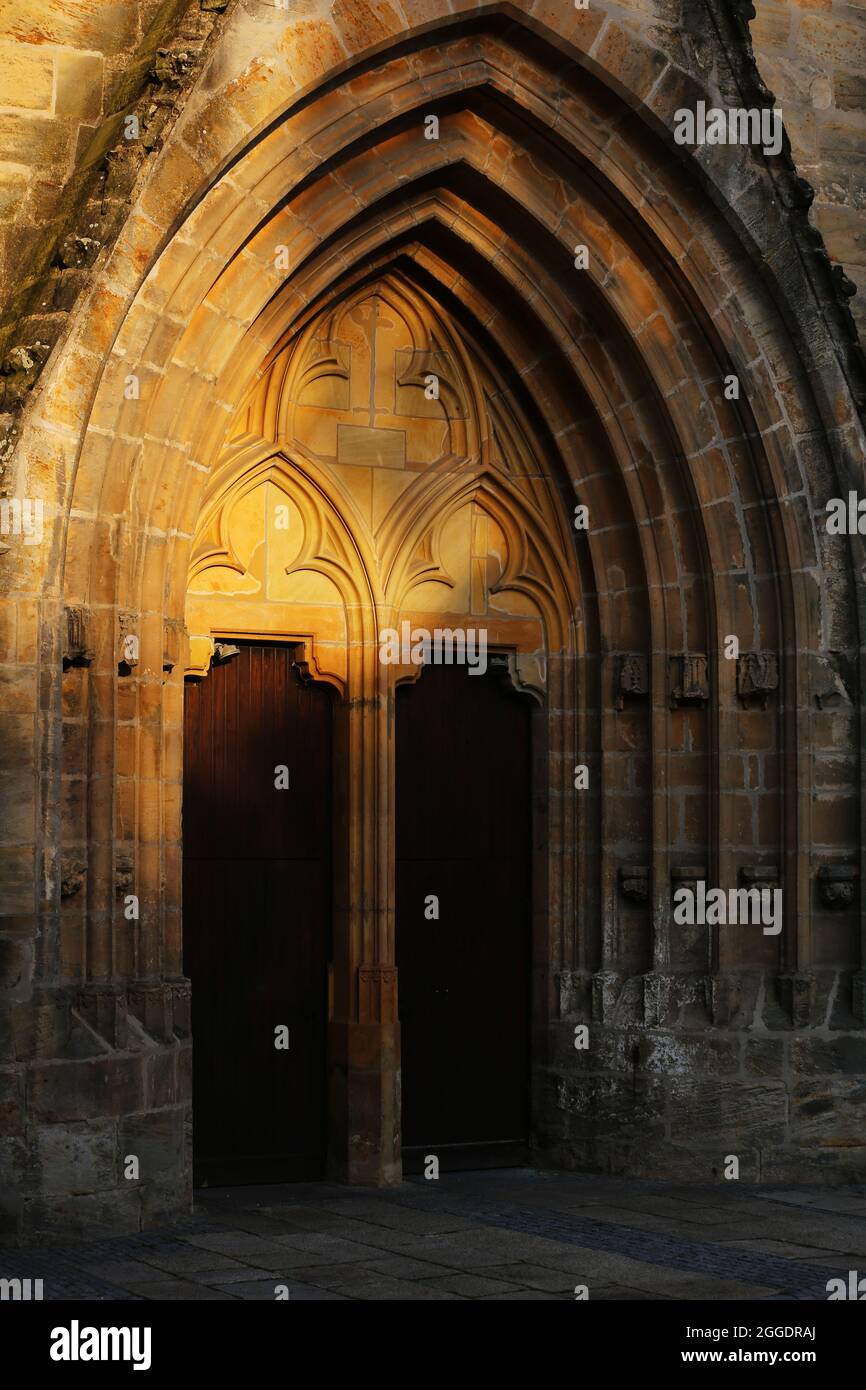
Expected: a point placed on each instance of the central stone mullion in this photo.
(364, 1046)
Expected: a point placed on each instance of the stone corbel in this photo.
(632, 677)
(634, 883)
(223, 652)
(760, 876)
(689, 681)
(77, 649)
(520, 670)
(687, 876)
(757, 676)
(837, 884)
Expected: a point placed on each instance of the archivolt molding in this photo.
(635, 350)
(259, 261)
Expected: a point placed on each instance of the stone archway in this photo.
(362, 487)
(595, 291)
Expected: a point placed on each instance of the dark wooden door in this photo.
(256, 915)
(463, 836)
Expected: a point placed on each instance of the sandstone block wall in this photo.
(812, 55)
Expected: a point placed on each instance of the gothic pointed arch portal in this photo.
(378, 479)
(438, 324)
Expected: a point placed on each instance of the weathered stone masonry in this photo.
(175, 389)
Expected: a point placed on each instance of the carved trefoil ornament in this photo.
(632, 677)
(689, 679)
(757, 676)
(837, 884)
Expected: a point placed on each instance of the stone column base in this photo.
(364, 1095)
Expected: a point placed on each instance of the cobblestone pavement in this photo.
(509, 1234)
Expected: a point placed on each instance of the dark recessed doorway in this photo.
(257, 916)
(463, 840)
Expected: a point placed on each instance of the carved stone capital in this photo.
(634, 882)
(687, 876)
(837, 884)
(757, 676)
(760, 876)
(689, 679)
(632, 677)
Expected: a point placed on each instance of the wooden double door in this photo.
(257, 916)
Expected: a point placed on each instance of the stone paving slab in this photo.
(520, 1295)
(488, 1236)
(264, 1291)
(403, 1267)
(469, 1285)
(533, 1277)
(248, 1247)
(181, 1290)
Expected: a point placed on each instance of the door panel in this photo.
(463, 835)
(257, 915)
